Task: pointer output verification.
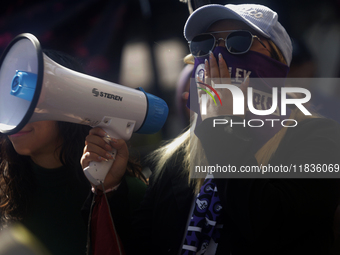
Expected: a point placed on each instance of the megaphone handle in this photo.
(115, 128)
(97, 171)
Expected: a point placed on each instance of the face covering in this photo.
(260, 68)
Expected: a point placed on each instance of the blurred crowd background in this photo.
(140, 43)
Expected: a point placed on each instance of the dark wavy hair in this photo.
(16, 177)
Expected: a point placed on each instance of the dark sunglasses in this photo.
(237, 42)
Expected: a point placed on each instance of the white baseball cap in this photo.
(260, 18)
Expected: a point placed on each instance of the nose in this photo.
(220, 42)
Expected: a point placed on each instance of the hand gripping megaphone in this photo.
(34, 88)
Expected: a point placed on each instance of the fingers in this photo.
(96, 148)
(215, 71)
(218, 73)
(98, 131)
(121, 147)
(206, 69)
(212, 72)
(119, 165)
(95, 140)
(223, 68)
(93, 152)
(244, 85)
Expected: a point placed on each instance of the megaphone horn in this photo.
(33, 87)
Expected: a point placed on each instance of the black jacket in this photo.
(261, 216)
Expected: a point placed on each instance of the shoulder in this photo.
(315, 140)
(315, 127)
(319, 122)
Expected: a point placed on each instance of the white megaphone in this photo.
(34, 88)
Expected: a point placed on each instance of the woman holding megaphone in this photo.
(42, 185)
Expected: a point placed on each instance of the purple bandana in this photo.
(258, 67)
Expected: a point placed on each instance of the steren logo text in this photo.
(97, 93)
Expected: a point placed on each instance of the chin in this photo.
(22, 151)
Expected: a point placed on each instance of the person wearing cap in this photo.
(218, 214)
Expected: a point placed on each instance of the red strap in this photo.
(104, 239)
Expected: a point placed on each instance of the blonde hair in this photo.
(188, 143)
(276, 53)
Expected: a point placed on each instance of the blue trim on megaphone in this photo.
(156, 114)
